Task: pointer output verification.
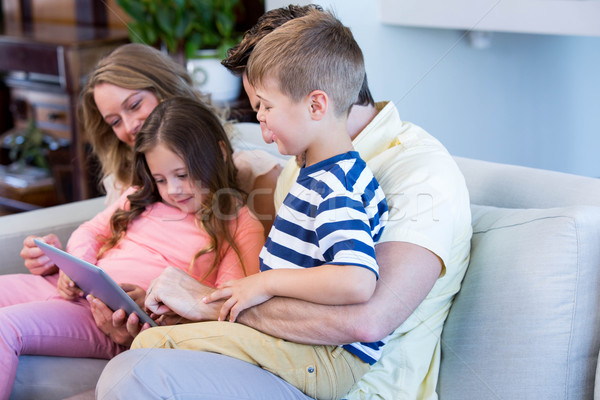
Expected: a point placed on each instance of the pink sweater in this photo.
(163, 236)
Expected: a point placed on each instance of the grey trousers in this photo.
(186, 374)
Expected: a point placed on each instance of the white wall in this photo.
(528, 99)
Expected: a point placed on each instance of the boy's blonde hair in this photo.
(314, 52)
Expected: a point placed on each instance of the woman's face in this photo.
(124, 110)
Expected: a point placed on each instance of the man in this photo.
(422, 257)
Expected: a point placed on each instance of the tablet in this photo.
(94, 280)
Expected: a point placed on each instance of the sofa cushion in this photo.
(53, 378)
(527, 310)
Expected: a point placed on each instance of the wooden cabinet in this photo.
(47, 47)
(46, 104)
(45, 66)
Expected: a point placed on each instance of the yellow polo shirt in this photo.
(429, 206)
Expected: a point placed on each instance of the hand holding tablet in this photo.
(95, 281)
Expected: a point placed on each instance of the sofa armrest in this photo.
(60, 220)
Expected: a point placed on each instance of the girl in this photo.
(183, 211)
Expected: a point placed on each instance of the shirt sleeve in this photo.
(84, 242)
(286, 180)
(344, 233)
(426, 196)
(251, 164)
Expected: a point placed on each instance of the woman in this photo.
(118, 96)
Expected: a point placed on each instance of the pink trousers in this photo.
(35, 320)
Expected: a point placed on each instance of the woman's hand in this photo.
(116, 325)
(178, 297)
(240, 294)
(35, 260)
(67, 288)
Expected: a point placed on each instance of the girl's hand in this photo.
(135, 292)
(35, 260)
(116, 325)
(240, 294)
(67, 288)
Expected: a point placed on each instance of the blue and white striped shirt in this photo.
(334, 214)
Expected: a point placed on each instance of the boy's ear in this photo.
(318, 103)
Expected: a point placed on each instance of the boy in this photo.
(321, 247)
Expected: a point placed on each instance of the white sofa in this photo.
(525, 325)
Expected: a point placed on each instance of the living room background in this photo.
(527, 99)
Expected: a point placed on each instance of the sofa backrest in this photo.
(60, 220)
(525, 324)
(512, 186)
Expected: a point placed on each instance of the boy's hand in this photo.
(67, 288)
(35, 260)
(240, 294)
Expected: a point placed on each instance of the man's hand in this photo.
(240, 294)
(67, 288)
(35, 260)
(174, 291)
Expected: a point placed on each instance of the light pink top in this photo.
(164, 236)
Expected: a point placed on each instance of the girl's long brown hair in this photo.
(192, 131)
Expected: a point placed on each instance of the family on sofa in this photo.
(378, 338)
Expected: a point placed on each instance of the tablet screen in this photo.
(94, 280)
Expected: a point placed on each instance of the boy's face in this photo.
(254, 101)
(282, 120)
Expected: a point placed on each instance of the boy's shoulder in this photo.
(344, 172)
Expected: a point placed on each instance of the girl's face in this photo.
(172, 180)
(124, 110)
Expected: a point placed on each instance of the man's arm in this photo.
(325, 284)
(407, 273)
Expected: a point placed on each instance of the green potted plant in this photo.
(28, 147)
(197, 34)
(183, 27)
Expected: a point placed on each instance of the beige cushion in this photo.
(527, 311)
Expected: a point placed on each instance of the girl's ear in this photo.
(318, 103)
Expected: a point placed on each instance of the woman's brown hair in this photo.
(132, 66)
